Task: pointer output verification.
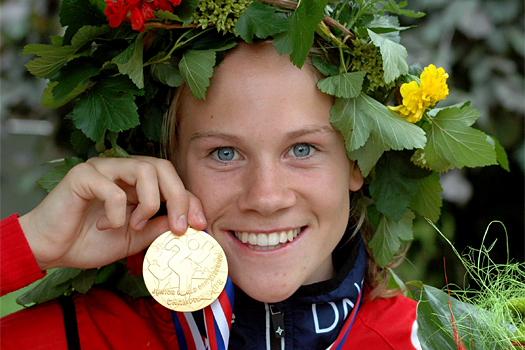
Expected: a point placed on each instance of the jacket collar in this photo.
(313, 316)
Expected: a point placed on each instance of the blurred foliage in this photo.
(480, 43)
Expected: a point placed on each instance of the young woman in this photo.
(259, 166)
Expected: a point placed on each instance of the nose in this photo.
(266, 189)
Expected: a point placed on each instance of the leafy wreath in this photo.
(118, 61)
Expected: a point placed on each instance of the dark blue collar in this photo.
(313, 316)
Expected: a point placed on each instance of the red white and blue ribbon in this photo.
(214, 333)
(341, 338)
(209, 328)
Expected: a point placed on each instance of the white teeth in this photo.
(267, 241)
(273, 238)
(262, 240)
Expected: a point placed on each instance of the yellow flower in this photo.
(418, 98)
(434, 84)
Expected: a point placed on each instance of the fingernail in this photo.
(201, 217)
(141, 225)
(182, 223)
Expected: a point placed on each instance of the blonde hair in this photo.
(376, 277)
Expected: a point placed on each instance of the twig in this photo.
(286, 4)
(292, 5)
(156, 24)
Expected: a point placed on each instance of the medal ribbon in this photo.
(217, 323)
(217, 319)
(338, 343)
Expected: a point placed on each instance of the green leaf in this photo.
(56, 40)
(52, 58)
(346, 85)
(299, 37)
(133, 286)
(152, 122)
(48, 100)
(166, 15)
(260, 20)
(368, 155)
(215, 41)
(325, 68)
(357, 117)
(78, 13)
(167, 72)
(110, 105)
(428, 201)
(385, 24)
(435, 323)
(185, 10)
(87, 34)
(196, 68)
(115, 152)
(53, 286)
(467, 116)
(394, 57)
(81, 143)
(72, 75)
(349, 117)
(388, 236)
(50, 179)
(395, 184)
(452, 140)
(130, 62)
(105, 273)
(392, 6)
(501, 154)
(84, 281)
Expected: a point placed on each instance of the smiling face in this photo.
(270, 170)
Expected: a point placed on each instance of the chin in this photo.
(267, 290)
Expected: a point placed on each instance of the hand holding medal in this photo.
(187, 272)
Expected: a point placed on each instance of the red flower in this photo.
(136, 12)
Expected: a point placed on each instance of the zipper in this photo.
(277, 320)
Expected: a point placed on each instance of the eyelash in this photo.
(313, 150)
(213, 153)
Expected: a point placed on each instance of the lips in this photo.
(267, 241)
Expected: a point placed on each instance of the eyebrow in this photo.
(214, 134)
(311, 129)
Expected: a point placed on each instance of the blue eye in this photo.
(302, 150)
(225, 154)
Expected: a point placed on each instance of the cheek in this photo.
(214, 191)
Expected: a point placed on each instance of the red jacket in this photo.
(106, 321)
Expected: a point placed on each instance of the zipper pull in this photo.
(277, 321)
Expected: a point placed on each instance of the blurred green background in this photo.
(479, 43)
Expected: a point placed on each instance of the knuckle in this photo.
(80, 169)
(119, 196)
(152, 206)
(165, 165)
(145, 169)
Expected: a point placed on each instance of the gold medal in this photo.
(185, 273)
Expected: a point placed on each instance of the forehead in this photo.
(254, 81)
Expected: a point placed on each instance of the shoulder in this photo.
(40, 326)
(107, 321)
(104, 321)
(386, 323)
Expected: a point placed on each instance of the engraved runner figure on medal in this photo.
(187, 272)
